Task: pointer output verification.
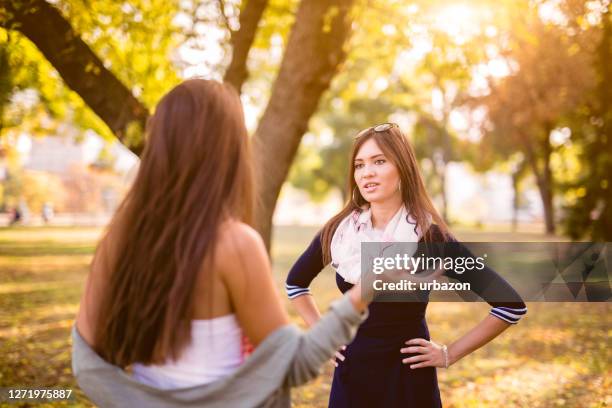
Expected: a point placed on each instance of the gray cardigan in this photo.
(286, 358)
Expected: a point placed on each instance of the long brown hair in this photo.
(195, 172)
(398, 150)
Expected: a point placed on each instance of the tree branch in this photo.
(242, 40)
(315, 51)
(224, 16)
(79, 66)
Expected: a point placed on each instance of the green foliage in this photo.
(355, 101)
(135, 40)
(553, 85)
(48, 103)
(381, 83)
(267, 50)
(413, 62)
(556, 79)
(588, 209)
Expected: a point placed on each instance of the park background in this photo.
(508, 105)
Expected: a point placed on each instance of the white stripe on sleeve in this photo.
(508, 314)
(294, 291)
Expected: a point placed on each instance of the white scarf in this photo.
(357, 228)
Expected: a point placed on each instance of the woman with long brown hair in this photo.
(392, 361)
(179, 279)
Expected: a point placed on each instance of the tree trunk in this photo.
(515, 200)
(315, 50)
(6, 83)
(242, 40)
(443, 192)
(79, 67)
(543, 178)
(446, 157)
(439, 169)
(547, 186)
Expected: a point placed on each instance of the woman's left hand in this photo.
(430, 354)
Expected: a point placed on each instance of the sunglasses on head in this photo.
(383, 127)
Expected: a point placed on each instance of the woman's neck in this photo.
(383, 212)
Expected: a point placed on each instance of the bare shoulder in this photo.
(247, 276)
(238, 245)
(239, 236)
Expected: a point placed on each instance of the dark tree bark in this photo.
(543, 177)
(515, 201)
(315, 50)
(517, 175)
(79, 67)
(546, 185)
(242, 40)
(445, 159)
(439, 170)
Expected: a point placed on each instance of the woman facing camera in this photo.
(179, 280)
(392, 361)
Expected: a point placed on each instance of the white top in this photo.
(215, 351)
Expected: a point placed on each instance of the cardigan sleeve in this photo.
(305, 269)
(317, 345)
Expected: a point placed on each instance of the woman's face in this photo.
(376, 176)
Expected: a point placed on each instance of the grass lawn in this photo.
(558, 356)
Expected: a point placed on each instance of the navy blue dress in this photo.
(373, 375)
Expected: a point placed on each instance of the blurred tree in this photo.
(588, 211)
(6, 80)
(119, 59)
(33, 188)
(363, 94)
(91, 189)
(518, 173)
(551, 77)
(81, 69)
(20, 74)
(353, 102)
(389, 77)
(106, 160)
(314, 51)
(242, 40)
(445, 76)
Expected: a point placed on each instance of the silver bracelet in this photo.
(445, 351)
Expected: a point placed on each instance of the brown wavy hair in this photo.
(195, 172)
(399, 151)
